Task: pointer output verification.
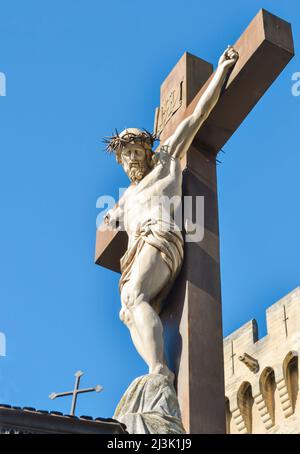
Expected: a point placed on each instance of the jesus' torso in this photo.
(143, 202)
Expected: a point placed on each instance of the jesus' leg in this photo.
(127, 319)
(149, 275)
(147, 335)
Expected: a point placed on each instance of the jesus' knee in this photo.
(125, 316)
(130, 299)
(131, 296)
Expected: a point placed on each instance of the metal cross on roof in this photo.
(76, 391)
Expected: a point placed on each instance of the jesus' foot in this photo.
(163, 369)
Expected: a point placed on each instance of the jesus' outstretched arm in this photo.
(179, 142)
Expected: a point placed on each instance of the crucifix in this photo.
(191, 315)
(76, 391)
(285, 319)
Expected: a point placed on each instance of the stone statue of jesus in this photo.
(155, 248)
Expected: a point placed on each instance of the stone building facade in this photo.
(261, 375)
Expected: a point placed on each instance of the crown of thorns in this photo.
(115, 143)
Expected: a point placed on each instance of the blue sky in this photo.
(75, 70)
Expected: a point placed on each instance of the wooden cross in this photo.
(285, 319)
(192, 315)
(76, 391)
(232, 358)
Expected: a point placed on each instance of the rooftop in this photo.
(29, 420)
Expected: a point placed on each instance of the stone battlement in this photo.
(255, 366)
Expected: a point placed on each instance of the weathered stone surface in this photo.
(150, 406)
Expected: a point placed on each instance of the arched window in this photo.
(291, 374)
(245, 403)
(267, 385)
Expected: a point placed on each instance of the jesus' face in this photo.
(134, 161)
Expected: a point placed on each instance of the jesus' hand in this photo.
(228, 58)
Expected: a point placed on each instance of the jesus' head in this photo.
(133, 150)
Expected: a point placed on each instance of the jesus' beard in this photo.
(137, 172)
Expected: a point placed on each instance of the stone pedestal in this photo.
(150, 406)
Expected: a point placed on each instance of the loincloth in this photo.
(168, 241)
